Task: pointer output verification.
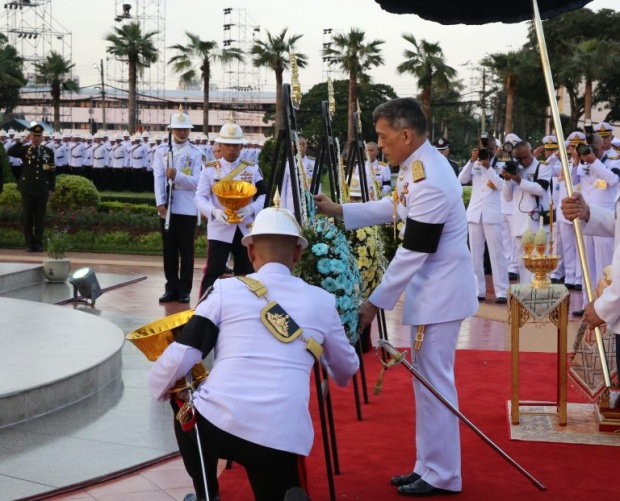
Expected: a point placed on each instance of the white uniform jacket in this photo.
(486, 188)
(76, 155)
(439, 286)
(61, 153)
(138, 156)
(605, 223)
(557, 171)
(119, 152)
(88, 154)
(258, 388)
(100, 156)
(383, 175)
(187, 160)
(598, 184)
(523, 196)
(206, 200)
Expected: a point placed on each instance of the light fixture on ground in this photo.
(85, 283)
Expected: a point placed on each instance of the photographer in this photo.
(484, 217)
(526, 184)
(599, 187)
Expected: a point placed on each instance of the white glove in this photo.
(220, 216)
(245, 212)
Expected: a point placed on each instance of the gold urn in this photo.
(234, 195)
(152, 339)
(541, 265)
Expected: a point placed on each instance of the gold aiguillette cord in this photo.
(393, 361)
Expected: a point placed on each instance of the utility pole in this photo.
(103, 97)
(482, 102)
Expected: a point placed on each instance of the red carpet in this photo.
(381, 445)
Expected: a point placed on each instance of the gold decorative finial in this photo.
(296, 94)
(231, 118)
(276, 198)
(330, 97)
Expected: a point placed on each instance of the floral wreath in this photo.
(328, 263)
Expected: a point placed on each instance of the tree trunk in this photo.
(426, 103)
(587, 100)
(206, 72)
(131, 104)
(279, 115)
(510, 92)
(56, 104)
(352, 104)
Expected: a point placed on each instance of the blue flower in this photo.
(329, 284)
(323, 266)
(337, 266)
(320, 249)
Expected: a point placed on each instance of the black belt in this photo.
(99, 158)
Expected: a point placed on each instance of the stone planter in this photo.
(56, 270)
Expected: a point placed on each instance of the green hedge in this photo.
(129, 198)
(74, 192)
(10, 197)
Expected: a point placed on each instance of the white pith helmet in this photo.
(275, 221)
(230, 133)
(180, 120)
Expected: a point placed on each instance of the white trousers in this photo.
(600, 252)
(438, 443)
(509, 243)
(558, 250)
(492, 234)
(572, 267)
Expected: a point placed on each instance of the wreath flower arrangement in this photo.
(328, 263)
(367, 246)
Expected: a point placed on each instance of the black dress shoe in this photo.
(184, 298)
(577, 313)
(38, 248)
(512, 276)
(30, 249)
(405, 479)
(555, 281)
(501, 300)
(481, 299)
(420, 488)
(168, 297)
(578, 287)
(569, 286)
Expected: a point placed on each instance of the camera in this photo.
(484, 153)
(507, 147)
(584, 149)
(511, 167)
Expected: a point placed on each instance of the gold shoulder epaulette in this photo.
(544, 162)
(311, 158)
(616, 157)
(247, 162)
(417, 171)
(212, 163)
(382, 163)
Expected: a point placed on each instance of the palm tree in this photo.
(506, 67)
(274, 54)
(354, 57)
(193, 63)
(55, 71)
(427, 64)
(11, 75)
(592, 60)
(138, 50)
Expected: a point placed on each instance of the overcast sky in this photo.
(464, 46)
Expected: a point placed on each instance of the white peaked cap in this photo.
(275, 221)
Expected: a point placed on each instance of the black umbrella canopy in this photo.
(479, 11)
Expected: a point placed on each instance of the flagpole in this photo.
(555, 113)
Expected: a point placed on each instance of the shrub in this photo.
(112, 206)
(74, 192)
(129, 198)
(11, 238)
(150, 242)
(10, 197)
(466, 195)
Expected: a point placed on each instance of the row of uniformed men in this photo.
(503, 204)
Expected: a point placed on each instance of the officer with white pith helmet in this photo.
(225, 238)
(261, 374)
(177, 167)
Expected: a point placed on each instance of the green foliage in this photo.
(74, 192)
(11, 75)
(133, 208)
(310, 121)
(127, 197)
(11, 238)
(10, 196)
(57, 245)
(466, 195)
(265, 159)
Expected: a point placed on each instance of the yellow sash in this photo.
(233, 173)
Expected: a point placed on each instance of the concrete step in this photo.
(17, 275)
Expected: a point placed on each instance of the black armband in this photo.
(543, 183)
(616, 171)
(200, 333)
(387, 183)
(422, 237)
(261, 189)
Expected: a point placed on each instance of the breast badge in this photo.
(403, 194)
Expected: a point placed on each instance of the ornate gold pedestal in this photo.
(525, 301)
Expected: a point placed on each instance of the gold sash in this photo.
(278, 322)
(233, 173)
